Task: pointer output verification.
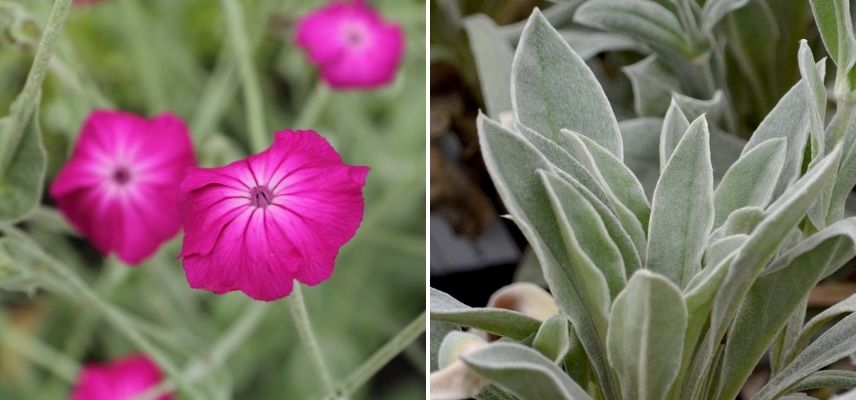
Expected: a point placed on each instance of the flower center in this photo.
(354, 35)
(121, 176)
(261, 197)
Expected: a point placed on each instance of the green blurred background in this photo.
(149, 56)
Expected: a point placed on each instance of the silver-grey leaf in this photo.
(751, 180)
(548, 80)
(682, 211)
(646, 335)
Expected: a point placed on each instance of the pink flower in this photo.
(122, 379)
(257, 224)
(352, 44)
(119, 186)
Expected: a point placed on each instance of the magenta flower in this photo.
(351, 44)
(119, 186)
(122, 379)
(257, 224)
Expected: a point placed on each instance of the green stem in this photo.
(252, 317)
(250, 82)
(148, 68)
(25, 105)
(39, 353)
(313, 107)
(384, 355)
(65, 282)
(304, 329)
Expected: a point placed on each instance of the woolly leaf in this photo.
(546, 76)
(833, 345)
(751, 180)
(587, 242)
(682, 212)
(22, 184)
(646, 334)
(524, 372)
(493, 55)
(646, 20)
(553, 339)
(715, 10)
(775, 296)
(512, 164)
(498, 321)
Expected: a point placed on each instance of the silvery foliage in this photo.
(681, 294)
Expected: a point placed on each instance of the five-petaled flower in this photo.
(258, 224)
(122, 379)
(119, 186)
(351, 44)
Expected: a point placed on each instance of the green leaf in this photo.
(718, 251)
(16, 268)
(682, 212)
(783, 215)
(833, 345)
(524, 372)
(836, 29)
(751, 31)
(21, 186)
(715, 10)
(588, 43)
(624, 241)
(653, 83)
(493, 56)
(553, 339)
(740, 221)
(577, 167)
(456, 343)
(815, 93)
(646, 20)
(844, 307)
(646, 335)
(788, 119)
(775, 296)
(827, 379)
(751, 180)
(498, 321)
(846, 177)
(547, 76)
(512, 164)
(587, 242)
(616, 177)
(439, 330)
(675, 125)
(714, 107)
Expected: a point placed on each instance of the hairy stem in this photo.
(384, 355)
(313, 107)
(304, 329)
(249, 78)
(25, 104)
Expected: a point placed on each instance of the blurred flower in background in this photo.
(118, 380)
(351, 44)
(118, 188)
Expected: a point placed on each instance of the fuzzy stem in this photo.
(304, 329)
(63, 281)
(384, 355)
(145, 57)
(250, 81)
(25, 105)
(313, 107)
(38, 352)
(251, 318)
